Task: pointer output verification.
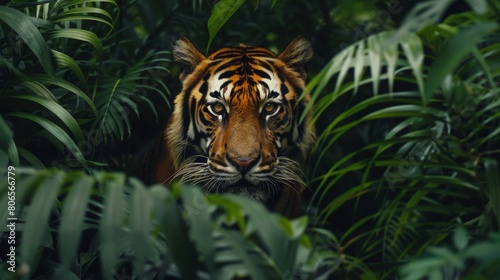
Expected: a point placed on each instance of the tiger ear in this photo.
(297, 54)
(187, 55)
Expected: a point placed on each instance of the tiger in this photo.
(241, 124)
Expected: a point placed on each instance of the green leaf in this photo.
(452, 54)
(200, 226)
(63, 5)
(30, 158)
(67, 86)
(221, 12)
(485, 251)
(65, 60)
(375, 56)
(484, 66)
(78, 34)
(493, 183)
(13, 153)
(460, 238)
(6, 135)
(117, 116)
(110, 230)
(140, 224)
(359, 64)
(181, 247)
(159, 194)
(39, 89)
(266, 226)
(36, 225)
(295, 228)
(479, 6)
(56, 132)
(55, 109)
(53, 270)
(234, 213)
(421, 14)
(73, 213)
(345, 67)
(8, 148)
(23, 186)
(239, 259)
(24, 26)
(414, 51)
(82, 14)
(390, 52)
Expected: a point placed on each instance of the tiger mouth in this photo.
(246, 189)
(263, 186)
(243, 183)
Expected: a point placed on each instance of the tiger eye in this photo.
(270, 107)
(217, 108)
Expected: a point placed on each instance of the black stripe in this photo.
(204, 120)
(267, 65)
(227, 74)
(193, 114)
(204, 88)
(273, 94)
(284, 89)
(224, 84)
(263, 74)
(228, 54)
(301, 126)
(227, 64)
(215, 94)
(185, 114)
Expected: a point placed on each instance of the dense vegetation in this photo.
(403, 183)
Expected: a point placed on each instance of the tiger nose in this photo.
(243, 164)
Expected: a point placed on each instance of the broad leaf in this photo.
(221, 12)
(28, 31)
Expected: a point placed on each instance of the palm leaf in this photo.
(24, 26)
(119, 94)
(241, 261)
(6, 141)
(431, 152)
(80, 35)
(164, 228)
(63, 59)
(140, 225)
(73, 213)
(450, 56)
(198, 215)
(110, 230)
(52, 107)
(37, 216)
(56, 132)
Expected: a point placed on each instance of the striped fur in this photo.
(235, 125)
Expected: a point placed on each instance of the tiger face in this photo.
(236, 124)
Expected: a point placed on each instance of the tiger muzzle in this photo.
(242, 164)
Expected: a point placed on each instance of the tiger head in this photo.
(240, 123)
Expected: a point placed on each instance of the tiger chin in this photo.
(239, 125)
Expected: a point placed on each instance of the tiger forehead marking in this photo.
(235, 126)
(246, 72)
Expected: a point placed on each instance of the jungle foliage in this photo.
(403, 182)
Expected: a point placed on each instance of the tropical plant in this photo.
(435, 165)
(406, 161)
(64, 83)
(78, 98)
(463, 260)
(144, 232)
